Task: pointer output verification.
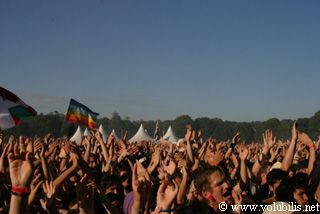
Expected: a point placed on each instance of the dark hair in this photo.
(107, 180)
(287, 187)
(276, 175)
(201, 178)
(265, 166)
(302, 178)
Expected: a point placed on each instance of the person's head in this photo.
(115, 199)
(192, 194)
(93, 161)
(112, 189)
(302, 167)
(110, 183)
(292, 189)
(74, 179)
(212, 184)
(265, 169)
(125, 179)
(274, 178)
(124, 171)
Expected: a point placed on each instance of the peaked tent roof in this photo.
(115, 135)
(77, 136)
(170, 136)
(86, 132)
(103, 132)
(141, 135)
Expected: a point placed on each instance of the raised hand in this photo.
(85, 195)
(122, 143)
(5, 152)
(305, 139)
(236, 138)
(155, 160)
(30, 146)
(199, 134)
(294, 131)
(1, 140)
(111, 138)
(11, 139)
(274, 152)
(50, 203)
(35, 184)
(49, 189)
(37, 145)
(189, 133)
(141, 187)
(171, 167)
(237, 200)
(268, 139)
(193, 136)
(221, 145)
(243, 153)
(215, 158)
(22, 144)
(74, 159)
(21, 170)
(62, 154)
(43, 151)
(167, 193)
(182, 163)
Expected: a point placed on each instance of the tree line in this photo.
(55, 124)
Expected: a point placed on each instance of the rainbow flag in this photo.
(12, 109)
(79, 113)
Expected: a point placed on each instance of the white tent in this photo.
(103, 132)
(86, 132)
(115, 135)
(141, 135)
(77, 136)
(170, 136)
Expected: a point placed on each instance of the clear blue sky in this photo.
(158, 59)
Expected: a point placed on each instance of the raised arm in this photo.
(203, 149)
(236, 166)
(103, 145)
(141, 186)
(44, 163)
(287, 160)
(273, 153)
(182, 187)
(155, 160)
(167, 193)
(304, 138)
(86, 157)
(189, 147)
(49, 204)
(268, 143)
(21, 171)
(243, 164)
(64, 175)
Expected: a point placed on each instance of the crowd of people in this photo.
(54, 175)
